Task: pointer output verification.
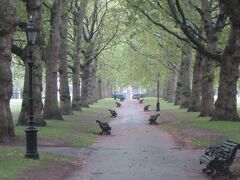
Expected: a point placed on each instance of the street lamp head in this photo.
(31, 32)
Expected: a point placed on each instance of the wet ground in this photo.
(135, 151)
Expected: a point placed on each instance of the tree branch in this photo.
(115, 33)
(190, 35)
(20, 52)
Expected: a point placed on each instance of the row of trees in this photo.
(72, 36)
(211, 28)
(105, 44)
(194, 44)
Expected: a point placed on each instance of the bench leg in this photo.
(204, 170)
(207, 171)
(225, 171)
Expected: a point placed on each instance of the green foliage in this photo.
(143, 50)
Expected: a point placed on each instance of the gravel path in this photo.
(138, 151)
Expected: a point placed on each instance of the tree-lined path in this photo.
(138, 151)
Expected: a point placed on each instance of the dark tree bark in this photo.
(185, 89)
(179, 82)
(104, 89)
(172, 86)
(99, 88)
(51, 109)
(226, 103)
(93, 83)
(165, 87)
(65, 98)
(34, 9)
(177, 93)
(7, 28)
(96, 95)
(76, 102)
(87, 79)
(195, 99)
(207, 104)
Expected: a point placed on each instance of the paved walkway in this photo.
(138, 151)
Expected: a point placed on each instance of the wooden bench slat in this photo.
(230, 143)
(226, 149)
(220, 158)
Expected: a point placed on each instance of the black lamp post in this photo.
(31, 131)
(158, 103)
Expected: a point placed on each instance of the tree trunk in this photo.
(179, 82)
(207, 104)
(172, 86)
(185, 89)
(165, 88)
(226, 103)
(104, 89)
(51, 109)
(195, 99)
(86, 85)
(34, 8)
(76, 102)
(99, 88)
(177, 93)
(96, 95)
(109, 90)
(7, 27)
(65, 98)
(87, 75)
(93, 82)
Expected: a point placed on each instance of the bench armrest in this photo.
(211, 151)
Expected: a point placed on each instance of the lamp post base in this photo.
(31, 143)
(32, 156)
(158, 107)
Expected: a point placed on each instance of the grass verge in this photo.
(78, 129)
(199, 131)
(12, 162)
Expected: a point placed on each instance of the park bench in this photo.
(218, 159)
(113, 113)
(118, 104)
(104, 127)
(153, 118)
(146, 108)
(141, 101)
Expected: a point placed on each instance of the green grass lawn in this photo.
(78, 130)
(13, 163)
(199, 131)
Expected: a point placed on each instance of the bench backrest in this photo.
(228, 151)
